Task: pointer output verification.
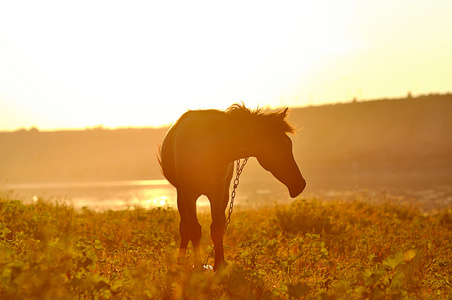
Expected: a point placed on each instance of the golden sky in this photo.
(78, 64)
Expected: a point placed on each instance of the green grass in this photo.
(310, 249)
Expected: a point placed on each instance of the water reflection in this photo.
(119, 195)
(154, 197)
(96, 184)
(114, 195)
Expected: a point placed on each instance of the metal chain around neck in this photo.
(239, 170)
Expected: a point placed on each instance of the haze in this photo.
(143, 63)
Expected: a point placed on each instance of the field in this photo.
(349, 248)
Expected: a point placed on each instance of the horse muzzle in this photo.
(296, 189)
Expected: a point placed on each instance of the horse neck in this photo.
(235, 144)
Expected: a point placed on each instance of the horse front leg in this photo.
(217, 232)
(217, 228)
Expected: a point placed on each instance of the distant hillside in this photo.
(395, 138)
(385, 137)
(123, 154)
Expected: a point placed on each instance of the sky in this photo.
(83, 64)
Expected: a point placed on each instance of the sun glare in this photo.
(143, 64)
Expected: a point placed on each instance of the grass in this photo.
(313, 249)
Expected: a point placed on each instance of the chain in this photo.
(239, 170)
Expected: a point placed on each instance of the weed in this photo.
(308, 249)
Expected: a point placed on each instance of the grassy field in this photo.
(349, 248)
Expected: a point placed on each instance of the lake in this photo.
(117, 195)
(251, 193)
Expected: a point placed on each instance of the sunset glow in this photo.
(118, 64)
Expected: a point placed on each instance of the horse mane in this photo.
(271, 120)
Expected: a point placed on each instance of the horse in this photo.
(197, 156)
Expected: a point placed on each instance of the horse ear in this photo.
(283, 114)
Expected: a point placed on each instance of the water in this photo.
(117, 195)
(102, 195)
(251, 193)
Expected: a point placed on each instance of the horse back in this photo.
(185, 148)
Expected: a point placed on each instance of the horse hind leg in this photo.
(183, 228)
(189, 227)
(195, 237)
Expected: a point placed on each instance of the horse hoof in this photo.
(181, 261)
(220, 267)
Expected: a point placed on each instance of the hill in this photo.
(383, 139)
(404, 139)
(123, 154)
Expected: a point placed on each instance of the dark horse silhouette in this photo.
(197, 158)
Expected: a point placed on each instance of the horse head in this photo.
(266, 138)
